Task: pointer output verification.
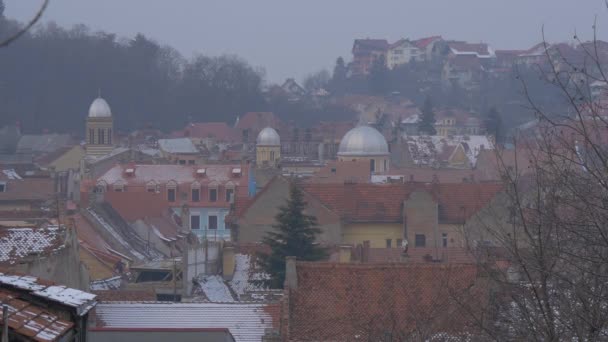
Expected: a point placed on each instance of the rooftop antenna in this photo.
(99, 92)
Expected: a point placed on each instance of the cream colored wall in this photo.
(69, 160)
(455, 235)
(379, 161)
(263, 155)
(375, 233)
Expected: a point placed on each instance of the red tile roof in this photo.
(220, 131)
(384, 202)
(256, 121)
(345, 302)
(424, 42)
(28, 189)
(31, 320)
(370, 44)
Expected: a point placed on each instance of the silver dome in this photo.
(268, 137)
(99, 109)
(363, 141)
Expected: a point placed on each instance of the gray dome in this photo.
(99, 109)
(268, 137)
(363, 141)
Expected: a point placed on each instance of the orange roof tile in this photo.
(343, 302)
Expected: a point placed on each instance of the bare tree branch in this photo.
(27, 27)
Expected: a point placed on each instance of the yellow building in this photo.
(268, 148)
(364, 143)
(100, 129)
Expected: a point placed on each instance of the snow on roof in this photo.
(82, 301)
(426, 150)
(411, 119)
(215, 289)
(242, 278)
(113, 283)
(172, 172)
(246, 322)
(17, 243)
(11, 174)
(177, 145)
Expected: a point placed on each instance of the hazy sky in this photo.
(294, 38)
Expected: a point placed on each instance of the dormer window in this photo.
(213, 192)
(195, 192)
(130, 171)
(171, 191)
(201, 172)
(119, 186)
(236, 172)
(101, 187)
(152, 186)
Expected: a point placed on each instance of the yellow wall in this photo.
(263, 155)
(375, 233)
(379, 161)
(69, 160)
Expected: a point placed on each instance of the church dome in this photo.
(363, 141)
(268, 137)
(99, 109)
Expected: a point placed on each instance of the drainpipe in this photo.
(4, 323)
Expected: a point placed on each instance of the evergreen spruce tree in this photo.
(493, 124)
(379, 76)
(339, 77)
(294, 235)
(426, 124)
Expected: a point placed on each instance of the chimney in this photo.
(228, 262)
(345, 254)
(291, 274)
(365, 251)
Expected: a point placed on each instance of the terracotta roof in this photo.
(28, 189)
(424, 42)
(384, 202)
(33, 321)
(18, 243)
(370, 44)
(220, 131)
(421, 255)
(345, 302)
(257, 120)
(342, 171)
(126, 295)
(170, 172)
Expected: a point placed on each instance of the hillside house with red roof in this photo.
(365, 52)
(402, 52)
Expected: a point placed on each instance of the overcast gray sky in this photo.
(294, 38)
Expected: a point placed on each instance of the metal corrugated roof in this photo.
(246, 322)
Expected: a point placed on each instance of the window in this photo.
(399, 243)
(151, 187)
(196, 195)
(385, 165)
(191, 162)
(271, 155)
(212, 195)
(444, 240)
(182, 162)
(2, 187)
(389, 243)
(119, 187)
(229, 195)
(109, 136)
(372, 165)
(91, 136)
(171, 195)
(101, 132)
(420, 240)
(212, 222)
(195, 222)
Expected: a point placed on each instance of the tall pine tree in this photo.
(426, 124)
(339, 77)
(294, 235)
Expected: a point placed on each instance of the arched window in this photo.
(91, 136)
(119, 186)
(152, 186)
(213, 191)
(195, 192)
(372, 165)
(101, 186)
(171, 190)
(101, 136)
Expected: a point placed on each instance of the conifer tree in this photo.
(493, 124)
(426, 124)
(294, 235)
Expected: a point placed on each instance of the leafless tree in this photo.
(27, 27)
(551, 225)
